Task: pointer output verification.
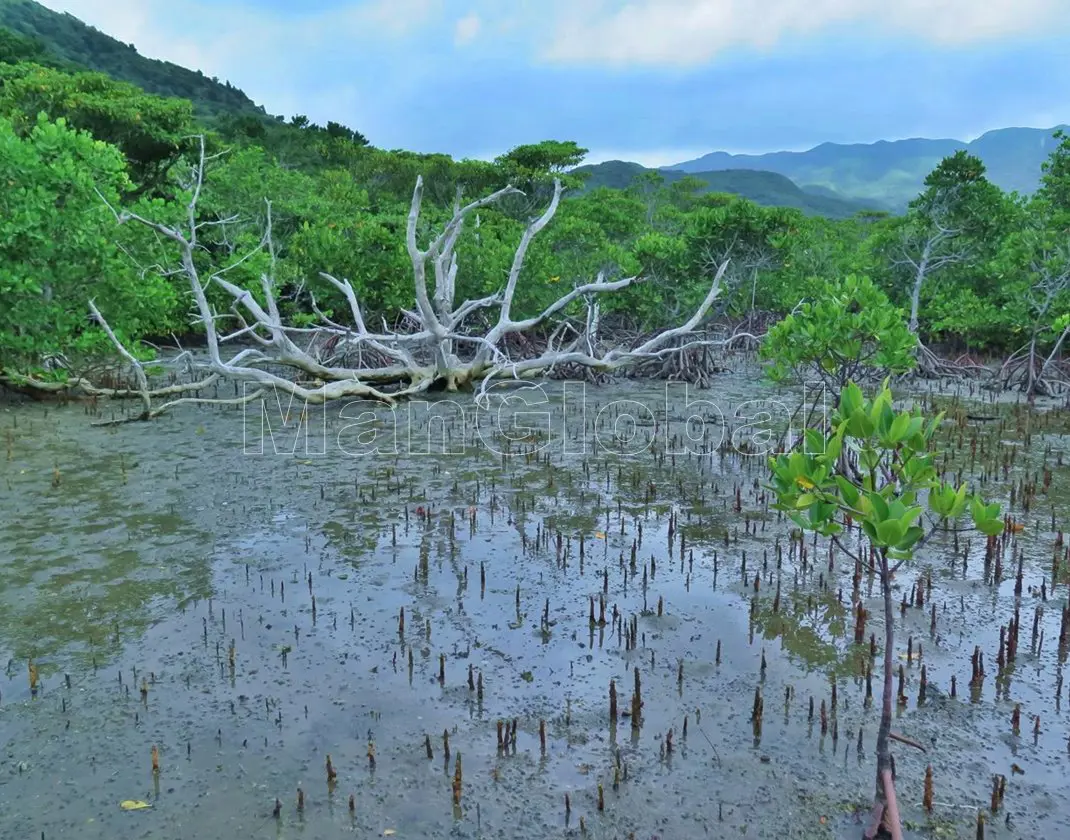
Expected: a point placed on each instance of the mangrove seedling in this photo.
(873, 466)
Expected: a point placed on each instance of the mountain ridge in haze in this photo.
(762, 187)
(892, 172)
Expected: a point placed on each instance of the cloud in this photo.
(686, 33)
(467, 29)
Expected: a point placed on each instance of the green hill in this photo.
(892, 172)
(68, 41)
(766, 188)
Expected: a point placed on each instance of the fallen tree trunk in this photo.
(433, 346)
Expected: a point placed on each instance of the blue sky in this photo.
(656, 81)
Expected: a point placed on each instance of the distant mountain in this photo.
(766, 188)
(67, 40)
(892, 172)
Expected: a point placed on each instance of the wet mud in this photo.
(239, 615)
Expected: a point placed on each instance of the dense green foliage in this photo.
(995, 279)
(148, 130)
(848, 331)
(59, 247)
(873, 467)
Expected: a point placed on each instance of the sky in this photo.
(653, 81)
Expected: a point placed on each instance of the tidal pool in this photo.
(235, 601)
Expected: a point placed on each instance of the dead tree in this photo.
(927, 245)
(1028, 368)
(925, 253)
(433, 344)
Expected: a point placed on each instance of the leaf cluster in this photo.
(874, 466)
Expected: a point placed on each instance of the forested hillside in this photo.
(64, 38)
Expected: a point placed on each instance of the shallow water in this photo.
(138, 557)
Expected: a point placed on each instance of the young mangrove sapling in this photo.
(873, 465)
